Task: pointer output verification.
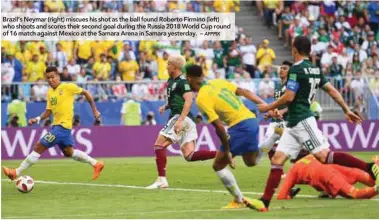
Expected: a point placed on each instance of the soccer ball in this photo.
(25, 184)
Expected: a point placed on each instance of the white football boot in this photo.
(160, 183)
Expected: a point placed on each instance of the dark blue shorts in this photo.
(58, 135)
(243, 137)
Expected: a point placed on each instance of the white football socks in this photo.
(230, 183)
(269, 142)
(79, 155)
(31, 159)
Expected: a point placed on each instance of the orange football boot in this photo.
(97, 169)
(10, 173)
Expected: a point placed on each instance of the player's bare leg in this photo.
(80, 156)
(250, 159)
(161, 161)
(349, 191)
(347, 160)
(31, 159)
(189, 153)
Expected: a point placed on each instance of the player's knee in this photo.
(188, 157)
(322, 156)
(278, 159)
(68, 152)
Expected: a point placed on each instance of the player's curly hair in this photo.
(194, 70)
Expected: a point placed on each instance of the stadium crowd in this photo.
(344, 36)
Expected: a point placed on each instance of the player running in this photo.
(60, 104)
(218, 101)
(304, 80)
(181, 127)
(275, 128)
(338, 180)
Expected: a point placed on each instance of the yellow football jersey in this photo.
(61, 102)
(217, 100)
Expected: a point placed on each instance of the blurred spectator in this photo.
(13, 122)
(83, 51)
(370, 42)
(39, 91)
(233, 58)
(326, 59)
(65, 76)
(128, 68)
(361, 53)
(54, 6)
(102, 68)
(7, 73)
(162, 66)
(73, 68)
(61, 57)
(144, 66)
(374, 84)
(82, 77)
(314, 8)
(206, 51)
(373, 15)
(285, 21)
(247, 83)
(266, 87)
(35, 69)
(125, 51)
(140, 91)
(265, 55)
(17, 108)
(317, 50)
(24, 90)
(219, 58)
(156, 89)
(201, 61)
(295, 29)
(150, 119)
(248, 51)
(336, 44)
(271, 8)
(344, 59)
(113, 65)
(368, 67)
(357, 86)
(131, 113)
(16, 65)
(336, 71)
(119, 90)
(89, 67)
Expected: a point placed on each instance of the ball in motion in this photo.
(25, 184)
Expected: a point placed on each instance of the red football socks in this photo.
(272, 183)
(347, 160)
(161, 160)
(202, 155)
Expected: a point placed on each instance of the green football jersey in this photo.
(279, 91)
(175, 91)
(304, 79)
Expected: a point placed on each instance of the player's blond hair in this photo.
(177, 60)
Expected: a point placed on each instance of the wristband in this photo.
(38, 119)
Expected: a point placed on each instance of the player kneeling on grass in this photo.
(331, 178)
(218, 101)
(181, 127)
(60, 104)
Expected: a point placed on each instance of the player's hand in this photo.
(229, 158)
(178, 127)
(162, 109)
(97, 115)
(353, 118)
(278, 114)
(263, 107)
(32, 121)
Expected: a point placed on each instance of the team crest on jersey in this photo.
(173, 86)
(60, 92)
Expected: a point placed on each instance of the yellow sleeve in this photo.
(96, 67)
(73, 88)
(205, 106)
(260, 53)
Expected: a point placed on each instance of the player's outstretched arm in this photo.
(286, 98)
(90, 100)
(337, 97)
(249, 95)
(43, 116)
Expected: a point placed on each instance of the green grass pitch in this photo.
(66, 191)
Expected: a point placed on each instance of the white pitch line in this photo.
(142, 187)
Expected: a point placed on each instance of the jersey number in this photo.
(230, 98)
(53, 101)
(49, 137)
(314, 84)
